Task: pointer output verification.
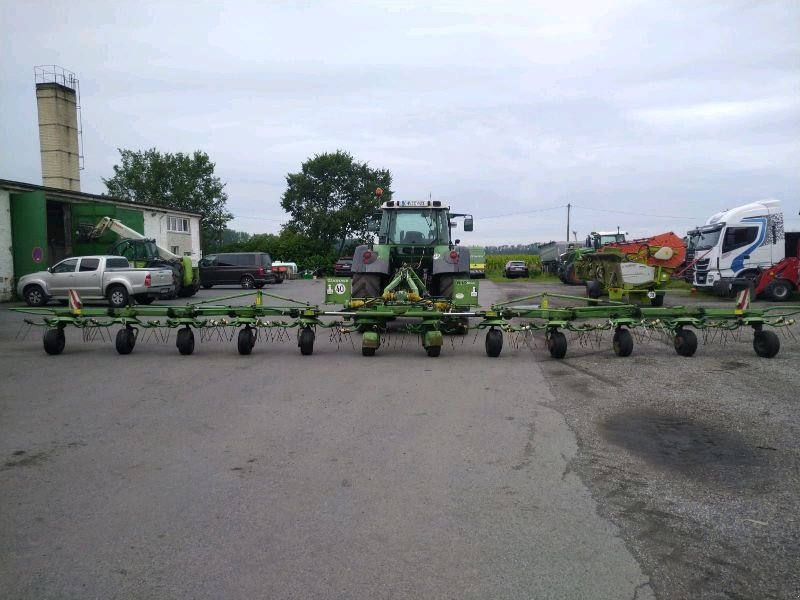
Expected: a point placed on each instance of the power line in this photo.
(622, 212)
(257, 218)
(524, 212)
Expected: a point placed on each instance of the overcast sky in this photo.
(648, 115)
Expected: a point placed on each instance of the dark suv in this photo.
(343, 266)
(248, 269)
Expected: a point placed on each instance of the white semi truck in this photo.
(735, 244)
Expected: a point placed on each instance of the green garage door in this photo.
(29, 232)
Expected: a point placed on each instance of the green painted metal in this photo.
(29, 232)
(465, 292)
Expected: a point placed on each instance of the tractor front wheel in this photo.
(778, 290)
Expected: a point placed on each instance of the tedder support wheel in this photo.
(185, 341)
(366, 285)
(766, 343)
(126, 340)
(494, 342)
(685, 342)
(305, 340)
(623, 342)
(246, 340)
(54, 341)
(433, 351)
(367, 351)
(557, 344)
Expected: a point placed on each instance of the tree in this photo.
(332, 198)
(180, 181)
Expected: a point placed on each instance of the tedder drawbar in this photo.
(413, 279)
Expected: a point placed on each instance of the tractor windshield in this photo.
(422, 227)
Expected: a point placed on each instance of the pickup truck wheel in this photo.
(118, 297)
(248, 282)
(34, 296)
(126, 340)
(54, 341)
(185, 341)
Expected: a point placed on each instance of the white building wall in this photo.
(155, 226)
(6, 252)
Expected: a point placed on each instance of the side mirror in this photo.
(467, 223)
(49, 269)
(458, 242)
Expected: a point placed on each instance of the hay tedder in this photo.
(413, 282)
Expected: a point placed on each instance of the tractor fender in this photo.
(378, 262)
(442, 263)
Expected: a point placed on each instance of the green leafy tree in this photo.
(332, 197)
(181, 181)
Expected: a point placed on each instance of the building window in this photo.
(175, 250)
(178, 224)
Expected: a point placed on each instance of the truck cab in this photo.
(737, 243)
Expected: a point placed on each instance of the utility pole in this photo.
(568, 207)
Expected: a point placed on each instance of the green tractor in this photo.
(415, 256)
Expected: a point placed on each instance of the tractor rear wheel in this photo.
(366, 285)
(54, 341)
(623, 342)
(445, 285)
(557, 344)
(685, 342)
(185, 341)
(494, 342)
(778, 290)
(305, 340)
(766, 343)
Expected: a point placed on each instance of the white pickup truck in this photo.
(94, 277)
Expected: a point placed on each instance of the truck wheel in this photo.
(185, 341)
(34, 295)
(305, 340)
(126, 340)
(766, 343)
(186, 292)
(247, 282)
(118, 297)
(366, 285)
(246, 341)
(623, 342)
(594, 289)
(685, 342)
(778, 290)
(494, 343)
(207, 286)
(54, 341)
(557, 344)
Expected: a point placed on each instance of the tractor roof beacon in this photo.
(415, 255)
